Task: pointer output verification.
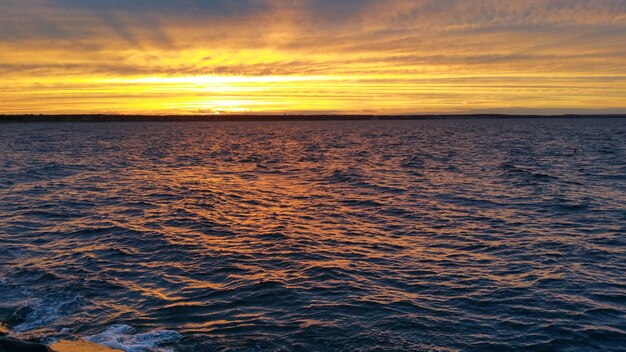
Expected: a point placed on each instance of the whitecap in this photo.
(125, 338)
(45, 311)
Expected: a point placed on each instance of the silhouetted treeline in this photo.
(181, 118)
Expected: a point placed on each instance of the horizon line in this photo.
(5, 118)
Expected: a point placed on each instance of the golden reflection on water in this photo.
(317, 228)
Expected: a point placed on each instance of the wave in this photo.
(41, 312)
(362, 236)
(125, 338)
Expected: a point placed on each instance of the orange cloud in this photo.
(353, 56)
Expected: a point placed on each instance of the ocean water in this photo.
(460, 235)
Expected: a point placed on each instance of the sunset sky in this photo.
(312, 56)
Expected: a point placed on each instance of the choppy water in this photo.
(317, 236)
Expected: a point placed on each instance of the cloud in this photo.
(373, 43)
(302, 23)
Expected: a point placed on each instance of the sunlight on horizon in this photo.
(388, 57)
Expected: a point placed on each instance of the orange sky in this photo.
(312, 56)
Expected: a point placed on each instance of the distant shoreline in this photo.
(253, 118)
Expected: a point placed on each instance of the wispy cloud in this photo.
(391, 51)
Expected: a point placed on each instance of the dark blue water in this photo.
(488, 235)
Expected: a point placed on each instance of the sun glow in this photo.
(389, 57)
(217, 80)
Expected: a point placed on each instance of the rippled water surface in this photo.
(317, 236)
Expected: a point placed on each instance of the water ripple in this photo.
(316, 236)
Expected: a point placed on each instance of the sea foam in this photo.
(125, 338)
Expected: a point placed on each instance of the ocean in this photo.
(453, 235)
